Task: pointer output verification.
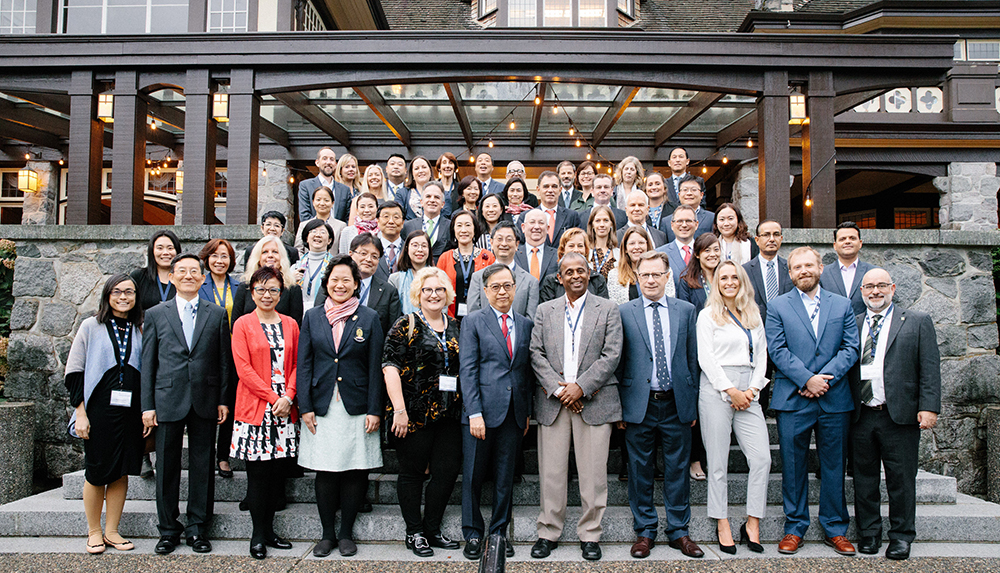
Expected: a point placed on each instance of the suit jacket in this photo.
(706, 219)
(621, 218)
(833, 281)
(525, 294)
(677, 265)
(550, 261)
(635, 369)
(443, 232)
(756, 273)
(491, 379)
(356, 368)
(659, 239)
(177, 379)
(798, 353)
(383, 298)
(341, 199)
(597, 359)
(565, 219)
(912, 366)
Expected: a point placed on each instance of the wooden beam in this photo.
(384, 112)
(625, 96)
(455, 97)
(298, 103)
(739, 128)
(696, 106)
(536, 114)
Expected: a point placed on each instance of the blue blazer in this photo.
(833, 281)
(636, 366)
(490, 379)
(356, 368)
(677, 265)
(798, 354)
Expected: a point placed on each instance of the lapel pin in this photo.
(359, 335)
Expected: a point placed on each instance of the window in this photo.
(227, 15)
(17, 16)
(487, 7)
(521, 14)
(124, 16)
(983, 50)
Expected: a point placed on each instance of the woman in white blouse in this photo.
(732, 353)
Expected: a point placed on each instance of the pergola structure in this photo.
(622, 92)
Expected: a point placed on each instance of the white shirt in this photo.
(654, 382)
(875, 370)
(572, 342)
(727, 345)
(811, 304)
(541, 253)
(848, 273)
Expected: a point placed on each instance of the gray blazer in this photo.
(602, 346)
(525, 295)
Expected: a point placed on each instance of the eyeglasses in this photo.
(127, 292)
(496, 287)
(261, 291)
(879, 286)
(440, 291)
(647, 276)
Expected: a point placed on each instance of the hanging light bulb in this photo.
(572, 131)
(578, 143)
(749, 143)
(491, 143)
(512, 124)
(588, 157)
(538, 100)
(725, 159)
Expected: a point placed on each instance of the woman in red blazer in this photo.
(464, 260)
(265, 348)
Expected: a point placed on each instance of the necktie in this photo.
(552, 222)
(687, 254)
(392, 257)
(506, 336)
(868, 356)
(534, 267)
(659, 343)
(188, 322)
(771, 286)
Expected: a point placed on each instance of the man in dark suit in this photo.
(567, 179)
(849, 268)
(497, 383)
(326, 162)
(768, 272)
(186, 364)
(559, 218)
(691, 195)
(680, 250)
(897, 392)
(812, 337)
(604, 189)
(437, 226)
(678, 163)
(659, 378)
(637, 209)
(273, 223)
(484, 173)
(535, 256)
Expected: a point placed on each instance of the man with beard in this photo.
(326, 161)
(812, 337)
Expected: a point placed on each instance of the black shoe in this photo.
(510, 547)
(591, 550)
(199, 544)
(898, 550)
(366, 507)
(473, 549)
(277, 543)
(745, 540)
(258, 551)
(727, 549)
(543, 548)
(442, 542)
(347, 547)
(226, 474)
(324, 548)
(147, 468)
(417, 543)
(869, 545)
(166, 545)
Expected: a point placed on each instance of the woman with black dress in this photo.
(269, 252)
(102, 377)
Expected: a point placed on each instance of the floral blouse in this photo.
(421, 361)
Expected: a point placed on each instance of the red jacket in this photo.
(446, 262)
(252, 355)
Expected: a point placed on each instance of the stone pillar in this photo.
(969, 197)
(40, 208)
(746, 193)
(274, 192)
(772, 152)
(993, 454)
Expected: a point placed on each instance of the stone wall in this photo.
(61, 270)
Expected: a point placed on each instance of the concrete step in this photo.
(48, 514)
(931, 489)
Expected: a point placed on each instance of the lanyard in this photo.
(442, 340)
(122, 342)
(572, 325)
(225, 291)
(745, 331)
(466, 268)
(163, 291)
(312, 277)
(364, 292)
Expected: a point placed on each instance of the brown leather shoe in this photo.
(789, 544)
(840, 544)
(687, 547)
(641, 547)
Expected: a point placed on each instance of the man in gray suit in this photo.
(575, 347)
(186, 356)
(326, 162)
(897, 392)
(505, 248)
(844, 278)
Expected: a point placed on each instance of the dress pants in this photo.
(661, 419)
(718, 420)
(794, 430)
(437, 445)
(879, 441)
(201, 472)
(590, 444)
(500, 447)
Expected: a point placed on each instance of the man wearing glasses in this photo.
(680, 249)
(658, 375)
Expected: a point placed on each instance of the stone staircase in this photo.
(943, 514)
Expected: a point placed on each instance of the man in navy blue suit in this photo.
(497, 385)
(658, 383)
(812, 337)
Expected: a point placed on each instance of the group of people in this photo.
(660, 324)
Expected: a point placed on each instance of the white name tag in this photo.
(463, 309)
(121, 398)
(870, 372)
(448, 383)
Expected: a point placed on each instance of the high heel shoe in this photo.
(745, 539)
(727, 549)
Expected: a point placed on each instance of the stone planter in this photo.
(17, 443)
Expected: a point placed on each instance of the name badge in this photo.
(448, 383)
(463, 309)
(870, 372)
(121, 398)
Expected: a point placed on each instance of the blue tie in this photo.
(660, 345)
(188, 322)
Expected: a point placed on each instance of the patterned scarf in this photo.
(337, 315)
(366, 226)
